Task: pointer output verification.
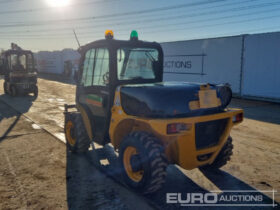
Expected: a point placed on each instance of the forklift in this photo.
(121, 99)
(18, 69)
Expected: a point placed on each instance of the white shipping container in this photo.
(53, 62)
(71, 55)
(261, 72)
(50, 62)
(216, 60)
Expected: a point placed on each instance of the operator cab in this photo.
(108, 63)
(18, 61)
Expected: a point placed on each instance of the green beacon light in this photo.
(134, 35)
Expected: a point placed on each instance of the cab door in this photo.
(93, 91)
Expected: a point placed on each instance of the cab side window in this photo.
(88, 67)
(101, 67)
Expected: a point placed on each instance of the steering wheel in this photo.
(106, 78)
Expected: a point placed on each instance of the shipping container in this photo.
(71, 55)
(49, 62)
(261, 66)
(216, 60)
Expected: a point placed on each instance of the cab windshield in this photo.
(21, 62)
(137, 63)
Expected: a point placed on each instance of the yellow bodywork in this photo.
(179, 148)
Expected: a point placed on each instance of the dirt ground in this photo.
(32, 174)
(36, 172)
(255, 163)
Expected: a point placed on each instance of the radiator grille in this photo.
(207, 134)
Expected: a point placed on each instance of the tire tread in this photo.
(157, 160)
(82, 140)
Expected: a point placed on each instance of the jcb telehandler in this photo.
(17, 66)
(122, 100)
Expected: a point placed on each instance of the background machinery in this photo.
(17, 67)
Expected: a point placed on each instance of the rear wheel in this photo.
(76, 135)
(13, 91)
(222, 158)
(5, 87)
(143, 162)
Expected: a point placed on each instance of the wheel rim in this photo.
(128, 153)
(69, 133)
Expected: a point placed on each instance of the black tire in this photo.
(6, 88)
(78, 132)
(35, 91)
(151, 160)
(222, 158)
(13, 90)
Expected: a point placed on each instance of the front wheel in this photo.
(77, 139)
(143, 162)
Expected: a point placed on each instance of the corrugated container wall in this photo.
(215, 60)
(261, 67)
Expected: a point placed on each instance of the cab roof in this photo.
(115, 44)
(20, 52)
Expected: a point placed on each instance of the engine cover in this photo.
(164, 100)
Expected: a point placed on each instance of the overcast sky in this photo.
(38, 25)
